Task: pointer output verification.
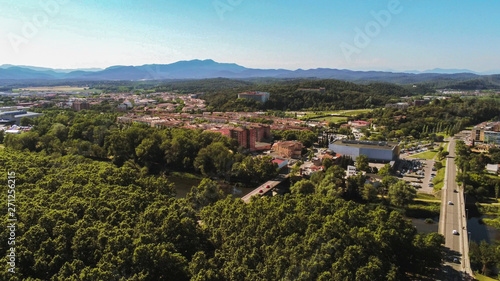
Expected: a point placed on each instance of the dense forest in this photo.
(288, 96)
(80, 219)
(448, 116)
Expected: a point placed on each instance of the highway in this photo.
(452, 217)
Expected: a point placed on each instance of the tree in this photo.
(387, 181)
(25, 121)
(438, 165)
(362, 163)
(442, 154)
(386, 170)
(401, 194)
(215, 160)
(295, 170)
(206, 193)
(484, 255)
(303, 187)
(369, 193)
(28, 140)
(329, 186)
(327, 163)
(254, 169)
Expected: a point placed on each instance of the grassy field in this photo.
(445, 147)
(423, 209)
(53, 89)
(425, 155)
(426, 197)
(480, 277)
(321, 114)
(354, 112)
(332, 119)
(439, 178)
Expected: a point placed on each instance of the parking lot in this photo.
(417, 172)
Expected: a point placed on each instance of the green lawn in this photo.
(425, 155)
(354, 112)
(445, 147)
(443, 134)
(480, 277)
(428, 197)
(333, 119)
(439, 179)
(319, 115)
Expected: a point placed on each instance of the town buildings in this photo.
(16, 116)
(247, 137)
(488, 132)
(80, 106)
(288, 149)
(399, 105)
(257, 96)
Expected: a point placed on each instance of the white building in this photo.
(375, 151)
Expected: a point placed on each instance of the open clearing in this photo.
(338, 116)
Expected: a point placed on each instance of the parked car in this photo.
(455, 232)
(450, 203)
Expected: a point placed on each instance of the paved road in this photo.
(263, 187)
(453, 217)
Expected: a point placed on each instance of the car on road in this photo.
(431, 184)
(261, 191)
(455, 232)
(450, 203)
(268, 186)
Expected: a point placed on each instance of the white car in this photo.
(455, 232)
(450, 203)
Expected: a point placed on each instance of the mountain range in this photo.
(203, 69)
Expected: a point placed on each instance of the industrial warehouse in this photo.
(379, 151)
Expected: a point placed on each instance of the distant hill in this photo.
(4, 66)
(206, 69)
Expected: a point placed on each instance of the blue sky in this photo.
(291, 34)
